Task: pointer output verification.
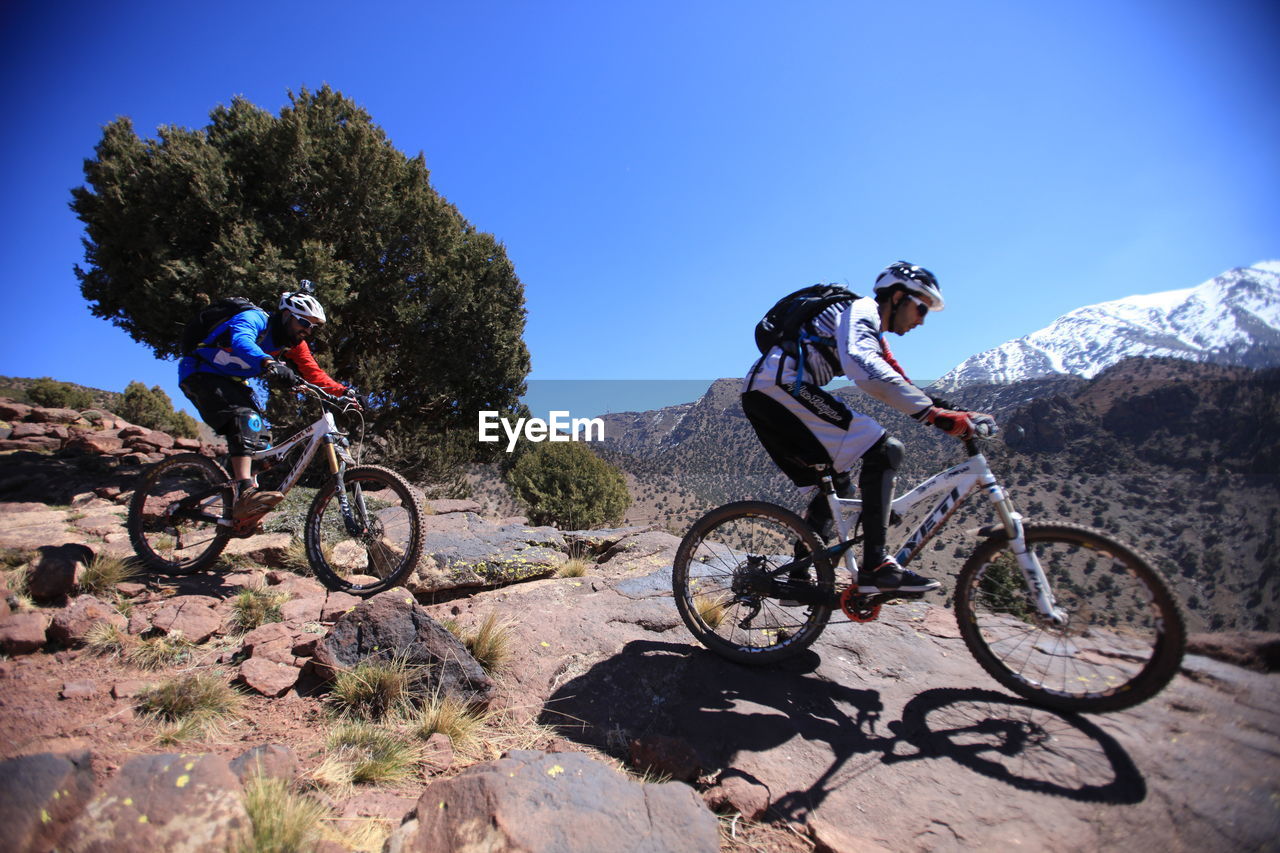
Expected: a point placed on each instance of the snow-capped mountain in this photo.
(1231, 319)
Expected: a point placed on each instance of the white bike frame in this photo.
(320, 432)
(954, 485)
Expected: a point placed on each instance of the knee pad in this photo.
(885, 455)
(249, 433)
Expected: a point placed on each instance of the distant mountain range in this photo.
(1231, 319)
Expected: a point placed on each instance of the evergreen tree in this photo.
(154, 410)
(52, 394)
(566, 484)
(426, 313)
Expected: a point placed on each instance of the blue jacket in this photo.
(238, 347)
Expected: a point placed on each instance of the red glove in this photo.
(964, 425)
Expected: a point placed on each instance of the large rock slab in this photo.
(40, 795)
(71, 624)
(535, 802)
(392, 624)
(176, 803)
(464, 551)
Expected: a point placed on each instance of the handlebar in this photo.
(342, 404)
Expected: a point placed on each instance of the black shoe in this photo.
(890, 577)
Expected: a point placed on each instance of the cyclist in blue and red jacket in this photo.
(250, 344)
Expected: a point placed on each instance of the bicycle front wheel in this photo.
(173, 516)
(372, 543)
(724, 562)
(1119, 641)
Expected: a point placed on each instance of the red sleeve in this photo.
(893, 362)
(302, 358)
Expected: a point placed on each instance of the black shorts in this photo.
(221, 401)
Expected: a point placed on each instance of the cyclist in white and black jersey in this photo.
(801, 425)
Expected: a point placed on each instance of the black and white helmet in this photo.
(304, 305)
(917, 280)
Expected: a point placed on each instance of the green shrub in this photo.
(566, 484)
(154, 410)
(58, 395)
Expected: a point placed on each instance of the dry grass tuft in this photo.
(161, 652)
(490, 644)
(576, 567)
(283, 820)
(195, 705)
(375, 688)
(365, 753)
(256, 606)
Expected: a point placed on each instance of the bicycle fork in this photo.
(1032, 573)
(353, 521)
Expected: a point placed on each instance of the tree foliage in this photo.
(566, 484)
(52, 394)
(153, 409)
(426, 313)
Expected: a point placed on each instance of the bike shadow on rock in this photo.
(726, 712)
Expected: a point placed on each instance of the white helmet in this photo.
(917, 280)
(303, 305)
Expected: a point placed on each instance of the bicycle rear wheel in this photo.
(723, 562)
(173, 517)
(1123, 636)
(381, 542)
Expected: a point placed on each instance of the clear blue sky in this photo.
(661, 171)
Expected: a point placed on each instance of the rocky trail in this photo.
(607, 728)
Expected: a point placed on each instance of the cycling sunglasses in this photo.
(305, 323)
(921, 305)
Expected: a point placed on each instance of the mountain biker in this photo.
(801, 425)
(247, 345)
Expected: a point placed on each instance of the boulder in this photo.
(57, 571)
(23, 633)
(1258, 650)
(54, 416)
(40, 795)
(94, 443)
(271, 760)
(176, 803)
(393, 624)
(13, 411)
(192, 616)
(268, 677)
(503, 806)
(71, 624)
(464, 551)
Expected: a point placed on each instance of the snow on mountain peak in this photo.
(1233, 318)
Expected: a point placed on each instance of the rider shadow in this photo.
(726, 711)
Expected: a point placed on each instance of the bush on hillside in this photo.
(566, 484)
(58, 395)
(153, 409)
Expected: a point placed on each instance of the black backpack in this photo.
(783, 325)
(210, 317)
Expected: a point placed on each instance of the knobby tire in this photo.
(165, 538)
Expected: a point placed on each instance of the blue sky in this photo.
(661, 172)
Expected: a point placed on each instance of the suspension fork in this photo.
(1032, 572)
(353, 521)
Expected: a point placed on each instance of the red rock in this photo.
(37, 443)
(71, 624)
(129, 688)
(91, 443)
(666, 755)
(735, 792)
(13, 411)
(57, 572)
(269, 677)
(53, 416)
(83, 689)
(188, 615)
(23, 633)
(271, 760)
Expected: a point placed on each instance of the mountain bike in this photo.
(1059, 614)
(363, 530)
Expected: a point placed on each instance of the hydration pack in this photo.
(784, 324)
(199, 327)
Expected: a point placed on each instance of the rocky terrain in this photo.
(604, 726)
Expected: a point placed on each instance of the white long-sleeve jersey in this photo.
(861, 354)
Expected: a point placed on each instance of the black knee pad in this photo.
(885, 455)
(248, 434)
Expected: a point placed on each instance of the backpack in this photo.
(784, 324)
(199, 327)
